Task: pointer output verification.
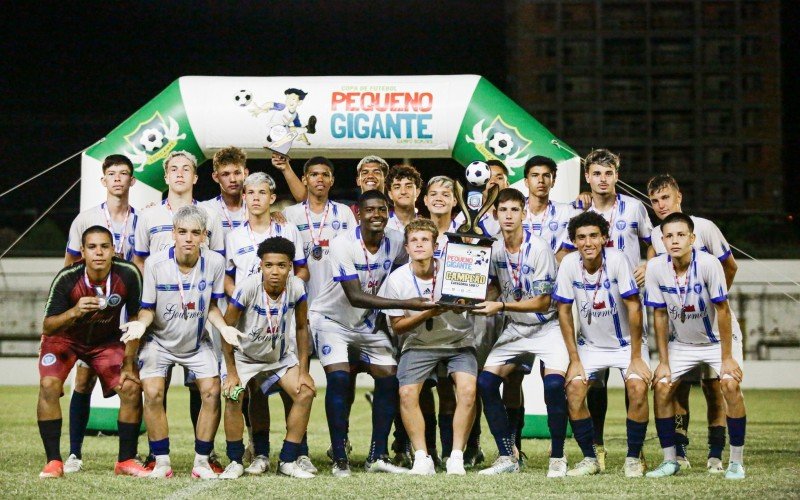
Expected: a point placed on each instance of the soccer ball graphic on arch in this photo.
(243, 97)
(477, 173)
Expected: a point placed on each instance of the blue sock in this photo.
(489, 388)
(128, 439)
(555, 398)
(289, 452)
(384, 409)
(716, 441)
(203, 447)
(637, 431)
(583, 430)
(736, 430)
(336, 409)
(666, 431)
(79, 406)
(235, 450)
(304, 445)
(261, 443)
(514, 416)
(160, 447)
(446, 433)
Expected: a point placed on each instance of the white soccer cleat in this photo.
(735, 471)
(305, 463)
(424, 466)
(202, 470)
(683, 462)
(455, 467)
(234, 470)
(161, 471)
(633, 467)
(341, 468)
(293, 469)
(503, 465)
(714, 466)
(586, 467)
(73, 464)
(383, 464)
(557, 467)
(259, 465)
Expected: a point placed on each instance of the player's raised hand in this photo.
(731, 368)
(231, 335)
(576, 372)
(280, 161)
(132, 330)
(418, 304)
(640, 368)
(662, 374)
(278, 217)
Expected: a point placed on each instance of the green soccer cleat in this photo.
(666, 468)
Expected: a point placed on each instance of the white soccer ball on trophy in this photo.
(243, 97)
(477, 173)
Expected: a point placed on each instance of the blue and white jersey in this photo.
(264, 342)
(241, 246)
(708, 238)
(629, 223)
(154, 230)
(551, 225)
(338, 219)
(124, 232)
(599, 294)
(487, 223)
(696, 292)
(349, 260)
(524, 275)
(173, 330)
(442, 241)
(230, 219)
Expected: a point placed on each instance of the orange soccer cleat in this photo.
(53, 469)
(130, 467)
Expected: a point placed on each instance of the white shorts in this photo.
(546, 343)
(266, 374)
(596, 359)
(155, 361)
(684, 357)
(331, 341)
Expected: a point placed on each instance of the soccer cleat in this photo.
(455, 467)
(714, 466)
(202, 470)
(503, 465)
(735, 471)
(683, 462)
(557, 467)
(234, 470)
(259, 465)
(131, 467)
(403, 459)
(293, 469)
(644, 460)
(423, 467)
(633, 467)
(473, 455)
(341, 468)
(437, 460)
(305, 463)
(600, 451)
(160, 471)
(666, 468)
(383, 464)
(53, 469)
(249, 453)
(149, 462)
(348, 448)
(73, 464)
(586, 467)
(213, 461)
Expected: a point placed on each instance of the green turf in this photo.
(772, 460)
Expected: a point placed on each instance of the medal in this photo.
(517, 294)
(179, 275)
(429, 324)
(516, 273)
(589, 318)
(597, 285)
(316, 252)
(683, 315)
(316, 249)
(683, 296)
(98, 290)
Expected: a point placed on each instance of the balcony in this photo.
(673, 90)
(673, 126)
(624, 89)
(625, 124)
(678, 52)
(624, 52)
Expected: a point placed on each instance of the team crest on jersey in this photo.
(114, 300)
(620, 225)
(387, 264)
(152, 140)
(131, 240)
(202, 285)
(553, 225)
(698, 288)
(48, 359)
(607, 284)
(326, 349)
(526, 269)
(336, 225)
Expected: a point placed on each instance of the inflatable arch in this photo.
(463, 117)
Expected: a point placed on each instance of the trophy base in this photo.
(461, 302)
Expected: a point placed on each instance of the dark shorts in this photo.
(58, 355)
(416, 365)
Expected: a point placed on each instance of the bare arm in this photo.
(302, 272)
(139, 262)
(402, 324)
(359, 298)
(729, 267)
(230, 285)
(562, 252)
(303, 338)
(58, 322)
(661, 327)
(296, 186)
(638, 365)
(70, 259)
(575, 369)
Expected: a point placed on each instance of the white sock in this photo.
(457, 454)
(737, 454)
(670, 455)
(162, 460)
(200, 459)
(420, 455)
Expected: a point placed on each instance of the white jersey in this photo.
(154, 230)
(708, 238)
(449, 330)
(396, 224)
(263, 342)
(695, 293)
(230, 219)
(173, 330)
(124, 232)
(600, 294)
(551, 225)
(338, 220)
(488, 224)
(349, 260)
(524, 275)
(628, 223)
(241, 246)
(442, 241)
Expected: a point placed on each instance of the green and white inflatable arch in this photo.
(463, 117)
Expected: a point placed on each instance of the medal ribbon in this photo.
(184, 304)
(110, 226)
(315, 240)
(95, 287)
(516, 278)
(280, 302)
(433, 284)
(683, 297)
(225, 211)
(366, 256)
(253, 237)
(532, 218)
(596, 285)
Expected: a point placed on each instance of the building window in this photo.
(718, 158)
(624, 17)
(624, 88)
(751, 46)
(751, 82)
(547, 84)
(718, 87)
(719, 15)
(673, 51)
(579, 52)
(579, 87)
(624, 52)
(580, 124)
(672, 160)
(672, 16)
(631, 158)
(625, 124)
(720, 51)
(545, 48)
(578, 16)
(671, 89)
(752, 118)
(673, 126)
(751, 153)
(753, 190)
(718, 122)
(718, 194)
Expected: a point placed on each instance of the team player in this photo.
(120, 219)
(692, 319)
(265, 307)
(229, 171)
(601, 280)
(181, 286)
(429, 338)
(82, 321)
(404, 183)
(498, 177)
(665, 198)
(344, 315)
(522, 271)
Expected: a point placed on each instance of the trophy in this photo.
(469, 251)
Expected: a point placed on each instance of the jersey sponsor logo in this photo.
(202, 285)
(114, 300)
(326, 350)
(175, 311)
(553, 225)
(49, 359)
(620, 224)
(599, 310)
(691, 312)
(336, 225)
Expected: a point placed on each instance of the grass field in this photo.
(772, 459)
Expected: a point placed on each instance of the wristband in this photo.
(504, 306)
